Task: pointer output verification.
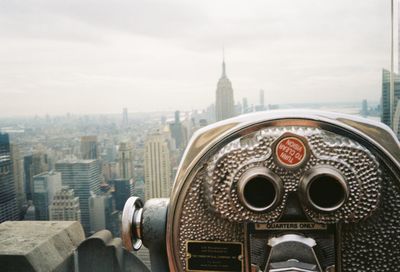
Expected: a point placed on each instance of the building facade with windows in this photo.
(65, 206)
(125, 160)
(8, 201)
(45, 186)
(385, 118)
(157, 166)
(83, 176)
(89, 148)
(224, 103)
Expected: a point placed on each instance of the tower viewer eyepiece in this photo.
(259, 189)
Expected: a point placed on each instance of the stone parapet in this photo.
(39, 245)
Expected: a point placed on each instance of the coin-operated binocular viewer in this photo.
(279, 191)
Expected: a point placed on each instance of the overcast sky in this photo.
(100, 56)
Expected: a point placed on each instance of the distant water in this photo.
(352, 109)
(348, 110)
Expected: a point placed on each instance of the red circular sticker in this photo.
(290, 151)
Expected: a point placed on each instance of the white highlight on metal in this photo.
(291, 238)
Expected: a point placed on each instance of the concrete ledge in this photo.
(103, 253)
(39, 245)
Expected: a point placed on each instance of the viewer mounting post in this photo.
(392, 102)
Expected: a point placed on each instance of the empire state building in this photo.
(224, 105)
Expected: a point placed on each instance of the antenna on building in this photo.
(223, 62)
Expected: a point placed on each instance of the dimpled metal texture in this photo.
(356, 164)
(198, 223)
(211, 210)
(374, 244)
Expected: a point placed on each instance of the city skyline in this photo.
(103, 101)
(68, 58)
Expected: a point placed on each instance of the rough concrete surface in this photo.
(39, 245)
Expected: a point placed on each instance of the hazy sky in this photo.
(100, 56)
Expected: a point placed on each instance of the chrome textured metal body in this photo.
(153, 232)
(297, 245)
(321, 172)
(146, 225)
(267, 176)
(131, 224)
(205, 206)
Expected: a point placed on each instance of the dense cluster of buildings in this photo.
(85, 168)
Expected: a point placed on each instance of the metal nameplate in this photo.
(291, 226)
(214, 256)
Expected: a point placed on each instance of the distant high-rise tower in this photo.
(125, 160)
(224, 105)
(18, 170)
(84, 177)
(102, 214)
(261, 105)
(65, 206)
(125, 117)
(385, 118)
(34, 164)
(8, 202)
(139, 189)
(45, 186)
(396, 120)
(157, 166)
(89, 148)
(262, 99)
(245, 105)
(123, 189)
(110, 170)
(178, 132)
(364, 108)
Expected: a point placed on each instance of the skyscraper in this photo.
(33, 165)
(125, 160)
(262, 99)
(385, 118)
(18, 170)
(8, 202)
(102, 213)
(123, 189)
(396, 119)
(110, 151)
(45, 186)
(364, 108)
(245, 105)
(139, 189)
(89, 148)
(125, 117)
(110, 170)
(157, 166)
(83, 176)
(224, 104)
(65, 206)
(178, 132)
(390, 101)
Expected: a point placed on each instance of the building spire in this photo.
(223, 62)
